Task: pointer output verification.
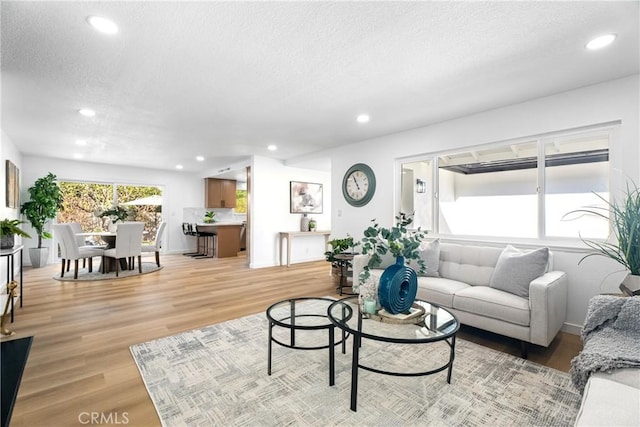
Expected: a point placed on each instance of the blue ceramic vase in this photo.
(398, 287)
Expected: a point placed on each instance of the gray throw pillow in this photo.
(516, 269)
(430, 254)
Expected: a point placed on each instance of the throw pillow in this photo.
(516, 269)
(430, 254)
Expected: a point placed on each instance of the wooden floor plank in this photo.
(80, 360)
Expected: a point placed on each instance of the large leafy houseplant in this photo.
(44, 204)
(339, 246)
(398, 240)
(625, 223)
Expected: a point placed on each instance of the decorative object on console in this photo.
(359, 185)
(44, 204)
(9, 228)
(305, 197)
(11, 293)
(312, 224)
(304, 222)
(625, 221)
(399, 282)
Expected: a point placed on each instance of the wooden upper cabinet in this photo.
(219, 193)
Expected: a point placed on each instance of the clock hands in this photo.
(356, 182)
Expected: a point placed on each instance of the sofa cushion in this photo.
(469, 264)
(608, 403)
(516, 269)
(494, 303)
(438, 290)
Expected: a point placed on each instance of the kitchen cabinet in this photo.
(219, 193)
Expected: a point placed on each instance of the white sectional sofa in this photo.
(468, 281)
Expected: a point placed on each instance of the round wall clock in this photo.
(358, 184)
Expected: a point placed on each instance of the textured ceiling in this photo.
(225, 79)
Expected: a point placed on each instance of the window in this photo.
(241, 201)
(523, 189)
(82, 199)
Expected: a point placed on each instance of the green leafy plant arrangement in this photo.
(44, 204)
(397, 240)
(12, 227)
(339, 246)
(625, 222)
(117, 213)
(208, 216)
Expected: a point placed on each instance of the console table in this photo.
(289, 235)
(10, 254)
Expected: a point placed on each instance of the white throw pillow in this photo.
(516, 269)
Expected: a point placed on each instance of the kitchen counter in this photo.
(228, 237)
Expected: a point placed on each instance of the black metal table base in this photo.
(292, 344)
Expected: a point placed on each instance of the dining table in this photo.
(109, 238)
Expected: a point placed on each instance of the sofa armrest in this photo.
(357, 265)
(548, 304)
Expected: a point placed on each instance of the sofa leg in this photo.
(524, 349)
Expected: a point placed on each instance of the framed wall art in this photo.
(13, 185)
(305, 197)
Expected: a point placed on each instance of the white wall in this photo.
(616, 100)
(270, 215)
(180, 189)
(8, 151)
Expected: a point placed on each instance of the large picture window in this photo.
(520, 189)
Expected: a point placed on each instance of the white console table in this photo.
(289, 235)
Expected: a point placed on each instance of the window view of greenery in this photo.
(241, 201)
(86, 203)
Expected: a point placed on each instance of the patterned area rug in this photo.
(217, 375)
(84, 275)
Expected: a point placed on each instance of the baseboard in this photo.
(571, 328)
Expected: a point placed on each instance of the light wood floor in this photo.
(80, 360)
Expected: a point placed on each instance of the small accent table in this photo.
(437, 325)
(10, 253)
(344, 261)
(306, 314)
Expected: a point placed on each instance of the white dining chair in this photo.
(69, 249)
(158, 243)
(128, 245)
(82, 241)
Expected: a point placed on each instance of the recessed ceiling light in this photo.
(77, 156)
(103, 25)
(200, 158)
(363, 118)
(179, 166)
(87, 112)
(81, 142)
(272, 147)
(600, 42)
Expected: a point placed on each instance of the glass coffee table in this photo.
(434, 325)
(304, 314)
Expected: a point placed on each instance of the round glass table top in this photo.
(434, 325)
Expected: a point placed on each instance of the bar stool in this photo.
(210, 242)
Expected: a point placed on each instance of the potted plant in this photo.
(339, 246)
(208, 216)
(398, 283)
(9, 228)
(115, 215)
(44, 204)
(625, 223)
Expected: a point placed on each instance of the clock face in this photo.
(358, 185)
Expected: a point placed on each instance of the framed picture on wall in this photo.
(305, 197)
(13, 186)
